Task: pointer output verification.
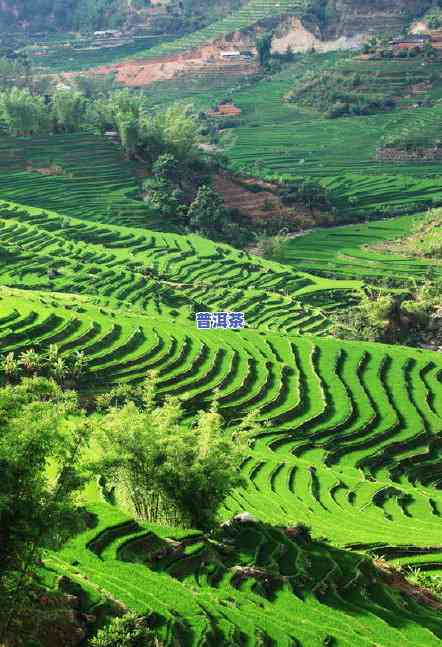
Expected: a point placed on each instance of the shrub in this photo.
(127, 631)
(167, 469)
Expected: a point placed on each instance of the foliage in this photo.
(23, 113)
(126, 631)
(174, 131)
(67, 370)
(69, 109)
(42, 426)
(264, 47)
(273, 247)
(431, 582)
(338, 95)
(421, 133)
(168, 469)
(424, 241)
(407, 317)
(208, 216)
(308, 192)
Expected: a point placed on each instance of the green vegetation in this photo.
(264, 486)
(165, 470)
(423, 132)
(364, 251)
(423, 241)
(37, 511)
(411, 317)
(337, 95)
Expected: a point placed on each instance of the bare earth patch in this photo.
(54, 169)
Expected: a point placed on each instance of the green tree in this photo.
(264, 47)
(207, 214)
(10, 367)
(127, 126)
(127, 631)
(173, 131)
(31, 361)
(167, 469)
(37, 506)
(69, 108)
(23, 113)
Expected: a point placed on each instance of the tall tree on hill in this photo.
(69, 109)
(37, 508)
(128, 128)
(23, 113)
(264, 47)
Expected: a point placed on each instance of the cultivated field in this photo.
(350, 433)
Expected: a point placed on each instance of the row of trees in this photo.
(174, 130)
(167, 141)
(66, 370)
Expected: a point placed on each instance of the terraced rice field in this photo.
(350, 252)
(280, 140)
(351, 447)
(247, 584)
(60, 58)
(159, 274)
(95, 181)
(253, 12)
(350, 439)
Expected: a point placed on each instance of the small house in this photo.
(108, 33)
(413, 41)
(230, 55)
(225, 110)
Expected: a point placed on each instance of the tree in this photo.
(264, 47)
(173, 131)
(31, 361)
(128, 128)
(207, 214)
(23, 113)
(127, 631)
(69, 108)
(10, 367)
(37, 508)
(167, 469)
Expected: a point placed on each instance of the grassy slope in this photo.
(348, 251)
(285, 140)
(263, 587)
(251, 13)
(351, 445)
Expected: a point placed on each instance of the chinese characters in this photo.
(223, 320)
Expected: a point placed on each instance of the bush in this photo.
(127, 631)
(167, 469)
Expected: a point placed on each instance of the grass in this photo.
(350, 436)
(356, 252)
(284, 141)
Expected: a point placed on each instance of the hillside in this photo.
(350, 438)
(204, 443)
(89, 15)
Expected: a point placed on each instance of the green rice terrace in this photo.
(350, 434)
(353, 251)
(282, 138)
(330, 536)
